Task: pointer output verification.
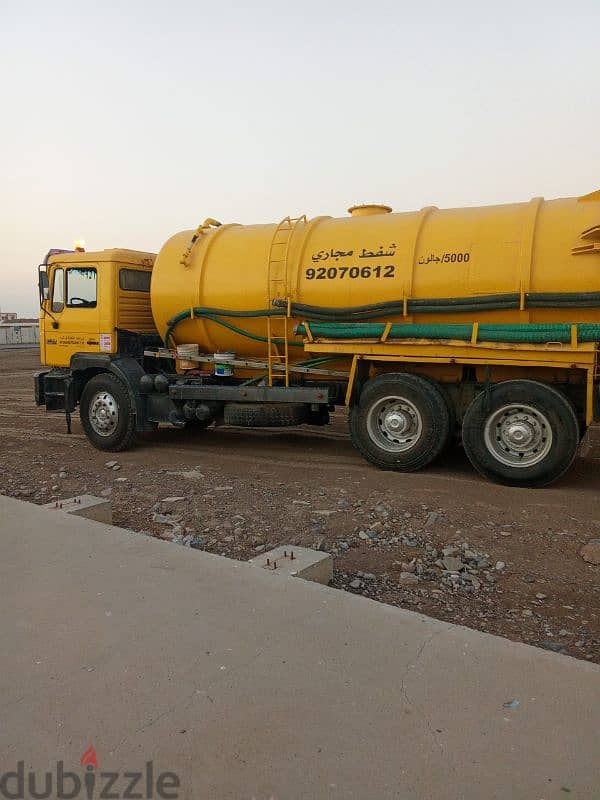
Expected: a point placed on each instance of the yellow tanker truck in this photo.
(480, 323)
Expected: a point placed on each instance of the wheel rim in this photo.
(394, 424)
(518, 435)
(104, 413)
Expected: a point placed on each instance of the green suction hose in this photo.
(515, 334)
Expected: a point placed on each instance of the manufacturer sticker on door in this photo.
(106, 343)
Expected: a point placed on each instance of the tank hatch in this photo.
(368, 210)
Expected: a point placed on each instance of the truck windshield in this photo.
(81, 287)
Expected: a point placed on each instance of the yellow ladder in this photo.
(277, 327)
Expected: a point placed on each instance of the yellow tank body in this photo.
(372, 256)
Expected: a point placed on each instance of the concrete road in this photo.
(247, 685)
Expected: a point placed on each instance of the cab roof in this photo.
(120, 255)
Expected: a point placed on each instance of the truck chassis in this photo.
(392, 399)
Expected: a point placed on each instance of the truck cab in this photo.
(89, 299)
(95, 318)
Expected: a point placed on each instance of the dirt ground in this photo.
(238, 492)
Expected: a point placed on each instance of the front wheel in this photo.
(521, 433)
(107, 414)
(401, 422)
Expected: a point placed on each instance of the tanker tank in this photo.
(505, 264)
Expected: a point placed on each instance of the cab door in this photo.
(74, 308)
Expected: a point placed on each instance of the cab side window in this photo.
(134, 280)
(81, 287)
(58, 290)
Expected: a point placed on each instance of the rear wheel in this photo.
(107, 414)
(521, 433)
(401, 422)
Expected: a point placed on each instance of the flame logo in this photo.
(89, 758)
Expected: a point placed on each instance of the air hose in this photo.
(517, 334)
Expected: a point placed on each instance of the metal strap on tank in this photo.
(422, 216)
(525, 261)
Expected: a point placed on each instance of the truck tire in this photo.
(521, 433)
(401, 422)
(265, 415)
(452, 424)
(107, 414)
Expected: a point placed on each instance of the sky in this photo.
(125, 122)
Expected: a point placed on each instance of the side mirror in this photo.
(43, 285)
